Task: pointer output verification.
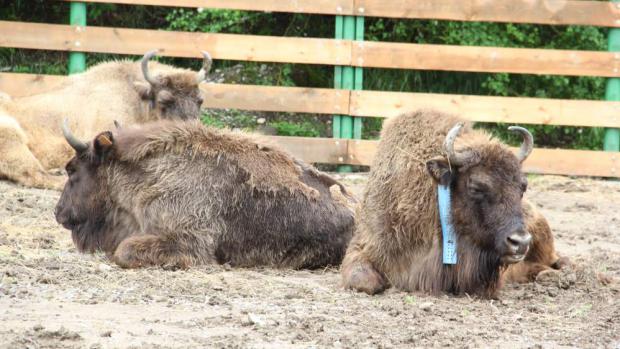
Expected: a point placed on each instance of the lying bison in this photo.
(398, 236)
(176, 194)
(131, 92)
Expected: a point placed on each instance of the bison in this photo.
(178, 194)
(132, 92)
(398, 234)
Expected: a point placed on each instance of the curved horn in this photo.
(528, 141)
(145, 66)
(75, 143)
(206, 66)
(117, 125)
(448, 145)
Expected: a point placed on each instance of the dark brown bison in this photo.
(177, 194)
(398, 236)
(131, 92)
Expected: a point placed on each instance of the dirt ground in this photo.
(53, 297)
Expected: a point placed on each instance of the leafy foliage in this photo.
(303, 129)
(377, 29)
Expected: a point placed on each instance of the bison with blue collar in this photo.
(398, 239)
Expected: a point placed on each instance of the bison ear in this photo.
(439, 168)
(143, 89)
(103, 143)
(164, 97)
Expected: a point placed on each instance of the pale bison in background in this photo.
(31, 143)
(177, 194)
(398, 239)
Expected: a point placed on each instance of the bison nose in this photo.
(518, 242)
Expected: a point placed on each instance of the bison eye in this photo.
(477, 190)
(70, 170)
(524, 184)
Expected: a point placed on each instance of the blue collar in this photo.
(447, 229)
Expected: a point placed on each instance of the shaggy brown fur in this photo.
(31, 142)
(397, 240)
(177, 194)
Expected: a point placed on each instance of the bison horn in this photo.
(448, 145)
(117, 124)
(528, 141)
(75, 143)
(206, 66)
(145, 66)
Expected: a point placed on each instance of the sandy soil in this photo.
(53, 297)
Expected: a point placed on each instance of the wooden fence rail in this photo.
(558, 12)
(373, 103)
(310, 50)
(542, 161)
(175, 44)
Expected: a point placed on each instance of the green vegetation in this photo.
(377, 29)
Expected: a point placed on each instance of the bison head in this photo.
(487, 187)
(84, 199)
(175, 95)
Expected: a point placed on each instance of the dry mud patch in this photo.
(53, 297)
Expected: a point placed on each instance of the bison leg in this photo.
(18, 164)
(360, 275)
(152, 250)
(524, 272)
(541, 255)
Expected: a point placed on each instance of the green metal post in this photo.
(612, 93)
(337, 77)
(612, 135)
(359, 76)
(348, 78)
(77, 60)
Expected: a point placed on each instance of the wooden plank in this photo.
(20, 85)
(361, 152)
(314, 150)
(333, 7)
(490, 109)
(557, 12)
(177, 44)
(222, 96)
(282, 99)
(598, 13)
(573, 162)
(543, 161)
(485, 59)
(309, 50)
(515, 110)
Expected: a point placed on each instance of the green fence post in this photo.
(348, 78)
(612, 93)
(337, 77)
(77, 17)
(612, 135)
(359, 76)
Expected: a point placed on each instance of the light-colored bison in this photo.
(31, 143)
(177, 194)
(398, 236)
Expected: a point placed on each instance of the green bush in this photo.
(377, 29)
(229, 118)
(303, 129)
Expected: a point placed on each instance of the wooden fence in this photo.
(368, 54)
